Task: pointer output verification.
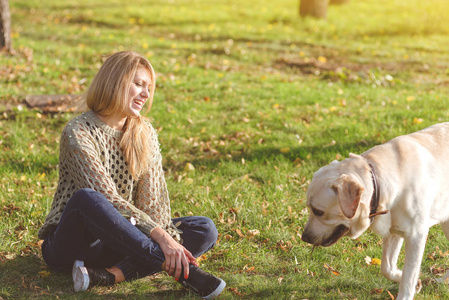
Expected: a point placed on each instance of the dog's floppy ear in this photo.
(349, 192)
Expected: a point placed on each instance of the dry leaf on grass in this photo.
(239, 233)
(377, 291)
(236, 292)
(201, 258)
(372, 261)
(44, 274)
(253, 232)
(335, 272)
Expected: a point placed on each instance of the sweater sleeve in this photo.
(80, 156)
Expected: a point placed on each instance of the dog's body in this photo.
(411, 175)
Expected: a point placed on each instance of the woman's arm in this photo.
(152, 198)
(176, 256)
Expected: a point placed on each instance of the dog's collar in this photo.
(375, 197)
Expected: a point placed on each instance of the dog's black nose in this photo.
(306, 238)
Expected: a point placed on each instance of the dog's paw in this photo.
(418, 286)
(393, 274)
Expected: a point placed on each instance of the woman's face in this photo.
(139, 92)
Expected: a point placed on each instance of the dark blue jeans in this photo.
(92, 230)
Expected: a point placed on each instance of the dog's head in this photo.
(338, 199)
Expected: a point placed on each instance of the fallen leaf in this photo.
(335, 272)
(44, 274)
(417, 121)
(189, 167)
(322, 59)
(188, 181)
(368, 260)
(284, 246)
(253, 232)
(201, 258)
(221, 220)
(10, 256)
(236, 292)
(285, 150)
(437, 270)
(234, 210)
(23, 283)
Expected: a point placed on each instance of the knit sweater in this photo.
(90, 157)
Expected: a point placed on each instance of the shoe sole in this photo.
(217, 291)
(80, 276)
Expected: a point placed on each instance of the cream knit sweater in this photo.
(90, 157)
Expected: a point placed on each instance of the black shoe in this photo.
(202, 283)
(84, 278)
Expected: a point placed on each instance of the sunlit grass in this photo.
(250, 101)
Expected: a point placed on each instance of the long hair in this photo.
(107, 95)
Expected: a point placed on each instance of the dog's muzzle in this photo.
(338, 232)
(335, 236)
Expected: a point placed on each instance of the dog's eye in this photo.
(317, 212)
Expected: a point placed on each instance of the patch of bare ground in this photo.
(44, 103)
(340, 70)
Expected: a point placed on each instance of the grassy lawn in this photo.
(256, 99)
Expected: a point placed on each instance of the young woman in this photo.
(110, 218)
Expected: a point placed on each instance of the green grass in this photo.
(257, 99)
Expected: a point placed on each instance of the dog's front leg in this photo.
(391, 247)
(414, 250)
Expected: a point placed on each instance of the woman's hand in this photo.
(176, 256)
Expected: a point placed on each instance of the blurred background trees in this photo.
(5, 26)
(316, 8)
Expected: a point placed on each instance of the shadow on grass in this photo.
(27, 277)
(265, 154)
(349, 290)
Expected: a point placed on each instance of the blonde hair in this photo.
(107, 95)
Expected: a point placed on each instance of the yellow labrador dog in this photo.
(398, 189)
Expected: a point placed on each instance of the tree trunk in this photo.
(338, 2)
(313, 8)
(5, 26)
